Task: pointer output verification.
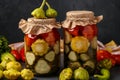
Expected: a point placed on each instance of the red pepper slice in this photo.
(15, 54)
(103, 54)
(30, 39)
(22, 54)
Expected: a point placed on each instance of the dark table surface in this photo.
(115, 75)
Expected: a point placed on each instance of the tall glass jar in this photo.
(42, 45)
(80, 33)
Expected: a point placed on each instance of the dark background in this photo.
(11, 11)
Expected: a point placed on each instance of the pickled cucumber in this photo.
(57, 47)
(84, 57)
(72, 56)
(94, 43)
(67, 49)
(90, 64)
(50, 56)
(30, 57)
(68, 37)
(74, 65)
(42, 67)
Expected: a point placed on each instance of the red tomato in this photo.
(22, 54)
(51, 37)
(15, 54)
(90, 31)
(76, 31)
(56, 34)
(113, 61)
(103, 54)
(30, 39)
(117, 59)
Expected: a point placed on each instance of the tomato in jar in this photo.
(80, 36)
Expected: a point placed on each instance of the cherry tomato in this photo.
(113, 61)
(103, 54)
(90, 31)
(30, 39)
(51, 37)
(117, 59)
(15, 54)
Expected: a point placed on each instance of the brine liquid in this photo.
(80, 47)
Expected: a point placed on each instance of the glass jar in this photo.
(80, 33)
(42, 45)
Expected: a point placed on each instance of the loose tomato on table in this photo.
(117, 59)
(103, 54)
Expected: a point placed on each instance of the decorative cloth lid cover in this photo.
(81, 18)
(37, 26)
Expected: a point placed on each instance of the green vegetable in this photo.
(68, 37)
(1, 74)
(57, 47)
(50, 12)
(105, 63)
(7, 56)
(3, 64)
(50, 56)
(81, 74)
(27, 74)
(1, 67)
(84, 57)
(72, 56)
(4, 45)
(67, 49)
(39, 12)
(40, 47)
(94, 43)
(79, 44)
(66, 74)
(42, 67)
(74, 65)
(14, 65)
(11, 74)
(105, 75)
(30, 58)
(89, 66)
